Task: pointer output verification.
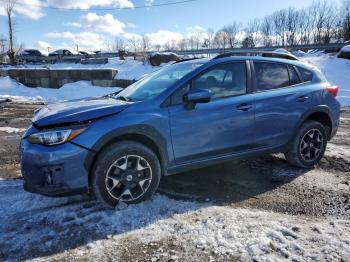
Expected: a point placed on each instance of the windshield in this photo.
(151, 86)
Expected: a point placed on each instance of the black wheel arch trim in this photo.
(131, 133)
(306, 115)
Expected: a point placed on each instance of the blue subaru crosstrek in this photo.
(187, 115)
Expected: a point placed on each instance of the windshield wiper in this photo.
(124, 98)
(119, 97)
(112, 95)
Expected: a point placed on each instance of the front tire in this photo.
(309, 145)
(125, 171)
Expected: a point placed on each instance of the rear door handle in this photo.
(245, 107)
(302, 98)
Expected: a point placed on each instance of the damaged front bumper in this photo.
(54, 171)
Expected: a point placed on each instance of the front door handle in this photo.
(302, 98)
(245, 107)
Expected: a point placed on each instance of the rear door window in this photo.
(270, 76)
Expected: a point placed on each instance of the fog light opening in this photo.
(49, 180)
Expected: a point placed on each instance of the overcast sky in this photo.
(37, 26)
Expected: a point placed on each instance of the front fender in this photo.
(149, 127)
(135, 130)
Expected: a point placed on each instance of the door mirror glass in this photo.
(197, 95)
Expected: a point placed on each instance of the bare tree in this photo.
(173, 44)
(145, 43)
(107, 45)
(118, 45)
(210, 37)
(329, 25)
(9, 6)
(253, 32)
(266, 29)
(346, 20)
(191, 42)
(157, 47)
(134, 44)
(279, 22)
(182, 44)
(248, 42)
(167, 46)
(318, 11)
(232, 31)
(196, 39)
(221, 39)
(305, 27)
(292, 22)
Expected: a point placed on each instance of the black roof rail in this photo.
(186, 59)
(259, 53)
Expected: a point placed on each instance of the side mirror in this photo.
(197, 95)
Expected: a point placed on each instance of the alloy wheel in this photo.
(128, 178)
(311, 145)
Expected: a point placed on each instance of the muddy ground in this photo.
(265, 184)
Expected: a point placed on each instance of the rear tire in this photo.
(308, 146)
(125, 171)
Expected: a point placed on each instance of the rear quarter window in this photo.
(307, 75)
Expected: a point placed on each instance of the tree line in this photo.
(322, 22)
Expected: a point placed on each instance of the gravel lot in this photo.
(249, 210)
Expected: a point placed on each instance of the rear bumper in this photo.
(54, 171)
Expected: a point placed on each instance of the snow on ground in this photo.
(336, 70)
(133, 70)
(11, 130)
(232, 232)
(11, 89)
(127, 69)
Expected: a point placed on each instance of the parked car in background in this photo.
(187, 115)
(86, 53)
(61, 52)
(30, 56)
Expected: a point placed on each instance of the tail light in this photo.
(333, 90)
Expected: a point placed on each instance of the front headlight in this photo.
(55, 137)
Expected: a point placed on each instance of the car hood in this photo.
(76, 111)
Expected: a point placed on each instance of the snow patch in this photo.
(337, 72)
(11, 89)
(222, 230)
(128, 69)
(133, 70)
(12, 130)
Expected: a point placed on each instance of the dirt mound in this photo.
(156, 59)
